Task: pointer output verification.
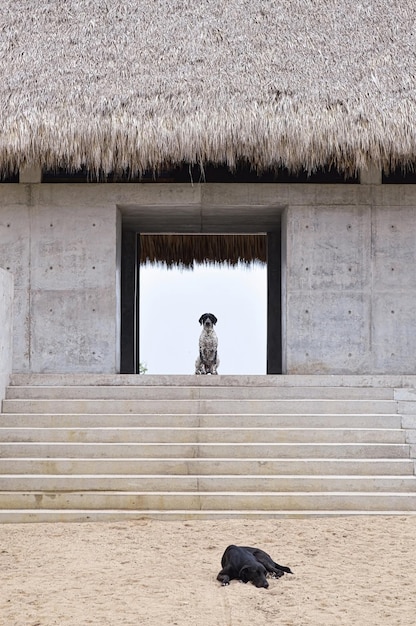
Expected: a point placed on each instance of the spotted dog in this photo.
(207, 361)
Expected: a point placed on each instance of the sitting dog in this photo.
(208, 361)
(249, 564)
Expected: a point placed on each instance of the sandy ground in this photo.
(346, 571)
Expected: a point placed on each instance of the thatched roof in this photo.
(138, 84)
(185, 251)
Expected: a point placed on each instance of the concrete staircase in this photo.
(116, 447)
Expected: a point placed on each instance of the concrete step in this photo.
(195, 392)
(23, 516)
(43, 483)
(204, 450)
(244, 380)
(163, 500)
(77, 447)
(120, 434)
(173, 420)
(208, 467)
(306, 406)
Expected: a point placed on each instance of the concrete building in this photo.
(298, 120)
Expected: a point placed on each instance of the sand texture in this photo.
(347, 570)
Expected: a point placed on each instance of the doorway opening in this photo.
(171, 301)
(223, 234)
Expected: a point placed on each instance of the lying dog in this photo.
(208, 360)
(249, 564)
(271, 566)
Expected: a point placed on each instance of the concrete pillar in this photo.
(29, 175)
(6, 325)
(373, 175)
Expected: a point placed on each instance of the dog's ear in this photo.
(202, 318)
(213, 318)
(245, 574)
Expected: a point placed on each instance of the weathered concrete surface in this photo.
(339, 382)
(6, 325)
(350, 288)
(65, 259)
(67, 449)
(348, 268)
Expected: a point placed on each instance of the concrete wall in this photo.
(63, 249)
(6, 325)
(349, 285)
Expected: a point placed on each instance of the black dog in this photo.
(249, 564)
(271, 566)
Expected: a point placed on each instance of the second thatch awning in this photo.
(184, 251)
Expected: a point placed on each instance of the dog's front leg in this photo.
(201, 364)
(224, 579)
(215, 364)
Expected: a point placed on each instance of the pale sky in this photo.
(172, 301)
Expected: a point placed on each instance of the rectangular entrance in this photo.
(130, 328)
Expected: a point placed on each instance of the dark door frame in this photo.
(130, 293)
(274, 303)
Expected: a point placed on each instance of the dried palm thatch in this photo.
(138, 85)
(185, 251)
